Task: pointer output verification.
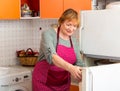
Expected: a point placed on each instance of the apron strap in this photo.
(58, 31)
(71, 42)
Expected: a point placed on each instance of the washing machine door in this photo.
(18, 88)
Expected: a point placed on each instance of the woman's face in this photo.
(68, 27)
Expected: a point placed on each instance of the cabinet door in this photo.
(78, 5)
(51, 8)
(74, 88)
(9, 9)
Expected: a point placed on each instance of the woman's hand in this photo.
(76, 72)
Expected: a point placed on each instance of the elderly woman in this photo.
(59, 56)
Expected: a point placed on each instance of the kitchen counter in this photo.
(23, 67)
(73, 82)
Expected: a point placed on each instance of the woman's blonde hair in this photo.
(69, 14)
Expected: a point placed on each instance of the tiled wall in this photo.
(20, 34)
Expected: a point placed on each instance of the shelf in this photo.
(30, 17)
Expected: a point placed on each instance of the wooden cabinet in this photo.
(78, 5)
(9, 9)
(51, 8)
(54, 8)
(74, 88)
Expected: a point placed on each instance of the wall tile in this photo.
(20, 34)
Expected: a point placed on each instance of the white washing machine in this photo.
(12, 79)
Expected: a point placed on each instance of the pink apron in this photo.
(47, 77)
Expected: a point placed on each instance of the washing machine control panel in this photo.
(21, 78)
(17, 79)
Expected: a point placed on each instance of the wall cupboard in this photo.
(54, 8)
(11, 9)
(78, 5)
(51, 8)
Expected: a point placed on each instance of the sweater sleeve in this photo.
(47, 45)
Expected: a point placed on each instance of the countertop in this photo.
(73, 82)
(22, 67)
